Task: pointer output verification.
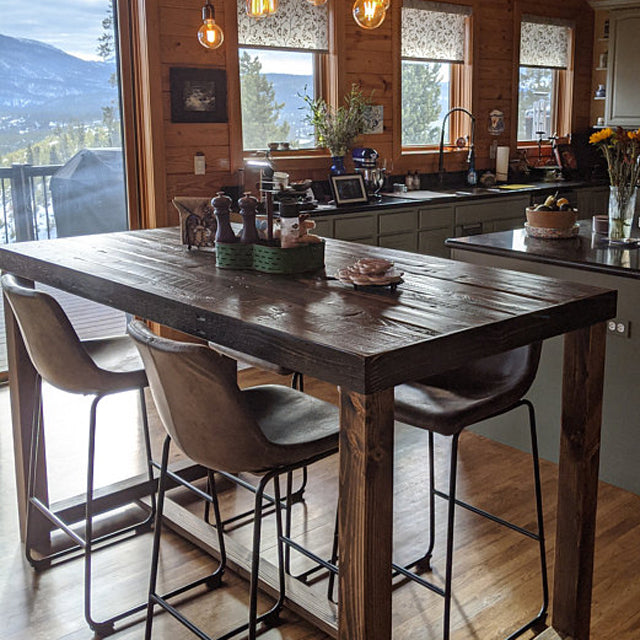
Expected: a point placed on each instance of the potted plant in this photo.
(337, 128)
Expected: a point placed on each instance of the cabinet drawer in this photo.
(397, 222)
(324, 227)
(436, 218)
(432, 242)
(403, 241)
(494, 209)
(355, 228)
(508, 224)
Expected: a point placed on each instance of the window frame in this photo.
(460, 94)
(562, 98)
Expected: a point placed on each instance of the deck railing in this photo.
(27, 208)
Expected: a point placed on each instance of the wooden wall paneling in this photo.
(369, 58)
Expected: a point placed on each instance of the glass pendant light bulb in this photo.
(369, 14)
(261, 8)
(210, 34)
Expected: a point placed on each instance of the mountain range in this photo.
(41, 85)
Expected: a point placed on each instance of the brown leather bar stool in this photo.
(292, 496)
(446, 404)
(93, 367)
(268, 430)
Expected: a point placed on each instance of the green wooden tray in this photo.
(259, 257)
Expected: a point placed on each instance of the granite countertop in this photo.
(588, 250)
(447, 196)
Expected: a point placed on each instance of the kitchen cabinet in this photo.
(493, 214)
(593, 201)
(622, 107)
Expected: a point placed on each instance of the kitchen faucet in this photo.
(471, 174)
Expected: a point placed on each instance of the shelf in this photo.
(601, 68)
(599, 98)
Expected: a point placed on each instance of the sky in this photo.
(71, 25)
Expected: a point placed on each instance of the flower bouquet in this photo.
(337, 128)
(622, 151)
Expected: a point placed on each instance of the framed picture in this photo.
(348, 189)
(566, 158)
(198, 95)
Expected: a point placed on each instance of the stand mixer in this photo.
(365, 161)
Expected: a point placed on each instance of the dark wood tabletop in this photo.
(365, 341)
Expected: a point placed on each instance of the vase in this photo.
(622, 205)
(337, 166)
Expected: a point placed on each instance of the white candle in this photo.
(502, 163)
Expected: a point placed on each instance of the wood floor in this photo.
(495, 583)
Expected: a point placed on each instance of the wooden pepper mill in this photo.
(248, 205)
(221, 204)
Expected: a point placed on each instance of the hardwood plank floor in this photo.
(495, 580)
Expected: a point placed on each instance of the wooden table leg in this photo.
(583, 376)
(24, 392)
(365, 511)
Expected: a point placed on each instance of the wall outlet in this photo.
(199, 164)
(621, 328)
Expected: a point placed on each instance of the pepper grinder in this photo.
(221, 204)
(248, 205)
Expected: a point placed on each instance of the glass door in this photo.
(61, 153)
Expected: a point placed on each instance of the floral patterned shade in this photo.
(296, 25)
(433, 31)
(544, 43)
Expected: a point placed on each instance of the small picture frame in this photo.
(198, 95)
(348, 188)
(566, 159)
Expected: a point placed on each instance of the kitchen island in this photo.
(587, 258)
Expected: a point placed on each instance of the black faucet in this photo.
(471, 174)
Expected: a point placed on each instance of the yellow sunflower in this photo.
(601, 136)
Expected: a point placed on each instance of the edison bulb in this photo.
(369, 14)
(210, 34)
(261, 8)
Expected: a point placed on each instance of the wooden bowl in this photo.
(551, 219)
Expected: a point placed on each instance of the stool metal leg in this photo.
(446, 623)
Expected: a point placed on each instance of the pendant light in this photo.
(370, 14)
(210, 34)
(317, 3)
(261, 8)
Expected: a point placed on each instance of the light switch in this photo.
(199, 164)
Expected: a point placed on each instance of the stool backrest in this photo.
(51, 341)
(201, 405)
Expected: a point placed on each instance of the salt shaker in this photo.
(221, 204)
(248, 205)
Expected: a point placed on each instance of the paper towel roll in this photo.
(502, 163)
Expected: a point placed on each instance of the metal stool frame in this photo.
(85, 543)
(214, 580)
(424, 561)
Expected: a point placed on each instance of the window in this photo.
(434, 42)
(281, 58)
(543, 91)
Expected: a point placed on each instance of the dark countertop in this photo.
(447, 196)
(588, 250)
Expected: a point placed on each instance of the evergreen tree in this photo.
(260, 111)
(421, 103)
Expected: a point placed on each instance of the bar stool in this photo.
(268, 430)
(93, 367)
(446, 404)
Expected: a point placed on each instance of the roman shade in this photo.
(297, 25)
(433, 31)
(544, 42)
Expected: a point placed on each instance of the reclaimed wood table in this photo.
(366, 342)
